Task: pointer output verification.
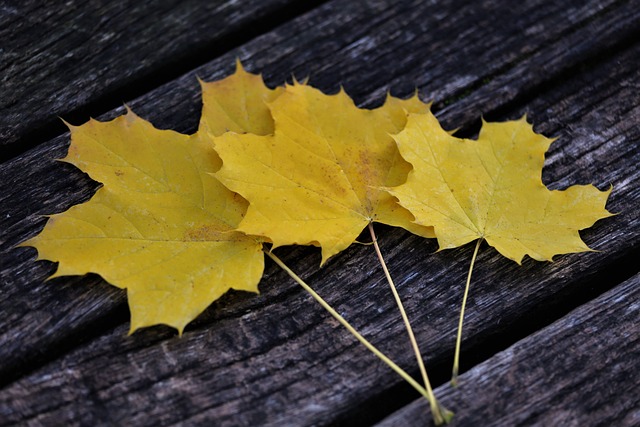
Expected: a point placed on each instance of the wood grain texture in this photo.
(277, 359)
(67, 60)
(582, 370)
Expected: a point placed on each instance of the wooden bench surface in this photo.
(544, 343)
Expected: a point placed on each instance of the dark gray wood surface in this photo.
(580, 370)
(80, 57)
(278, 359)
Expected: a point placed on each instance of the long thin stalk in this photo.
(456, 358)
(438, 417)
(416, 349)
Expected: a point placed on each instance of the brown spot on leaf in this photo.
(203, 233)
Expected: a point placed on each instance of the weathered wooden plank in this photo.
(313, 343)
(581, 370)
(86, 57)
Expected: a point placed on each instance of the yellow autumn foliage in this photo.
(492, 189)
(317, 179)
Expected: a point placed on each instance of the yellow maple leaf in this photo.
(237, 103)
(161, 226)
(316, 179)
(492, 189)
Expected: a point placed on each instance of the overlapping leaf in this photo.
(238, 104)
(317, 179)
(492, 189)
(163, 226)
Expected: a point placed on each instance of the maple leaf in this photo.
(161, 226)
(492, 189)
(237, 103)
(316, 179)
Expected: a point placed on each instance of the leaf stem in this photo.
(437, 416)
(433, 402)
(456, 357)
